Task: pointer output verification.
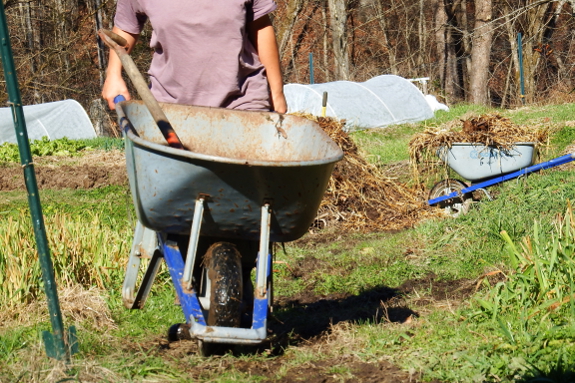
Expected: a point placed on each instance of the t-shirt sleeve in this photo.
(262, 7)
(130, 17)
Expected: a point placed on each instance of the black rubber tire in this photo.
(178, 332)
(454, 206)
(224, 270)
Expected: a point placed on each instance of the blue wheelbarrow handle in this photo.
(119, 98)
(544, 165)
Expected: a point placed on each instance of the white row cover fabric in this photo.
(434, 104)
(54, 119)
(379, 102)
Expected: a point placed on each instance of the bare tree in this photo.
(338, 23)
(481, 52)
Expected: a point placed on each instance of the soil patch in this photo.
(439, 290)
(93, 170)
(344, 368)
(341, 369)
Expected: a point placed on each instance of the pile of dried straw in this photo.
(360, 198)
(489, 130)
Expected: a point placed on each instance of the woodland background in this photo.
(467, 48)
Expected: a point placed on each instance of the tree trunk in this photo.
(480, 52)
(98, 23)
(324, 41)
(385, 42)
(286, 30)
(466, 43)
(422, 32)
(454, 84)
(440, 17)
(338, 22)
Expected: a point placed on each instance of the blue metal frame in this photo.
(193, 310)
(492, 181)
(188, 298)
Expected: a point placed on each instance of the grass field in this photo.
(488, 296)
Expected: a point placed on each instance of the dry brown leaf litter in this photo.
(491, 130)
(78, 305)
(360, 197)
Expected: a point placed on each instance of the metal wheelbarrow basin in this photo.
(476, 161)
(236, 161)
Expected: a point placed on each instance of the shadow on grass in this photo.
(306, 316)
(559, 374)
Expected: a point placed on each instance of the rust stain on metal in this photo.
(279, 128)
(185, 289)
(260, 293)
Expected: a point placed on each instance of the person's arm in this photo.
(115, 84)
(262, 36)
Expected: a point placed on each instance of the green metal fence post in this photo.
(61, 344)
(311, 79)
(521, 79)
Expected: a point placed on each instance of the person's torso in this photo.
(202, 52)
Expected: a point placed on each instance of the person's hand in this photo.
(279, 103)
(114, 86)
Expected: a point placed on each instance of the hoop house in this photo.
(379, 102)
(54, 120)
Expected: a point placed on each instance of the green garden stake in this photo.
(61, 344)
(520, 56)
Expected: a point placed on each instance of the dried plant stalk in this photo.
(360, 197)
(489, 130)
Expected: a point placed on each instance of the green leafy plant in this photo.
(44, 147)
(541, 281)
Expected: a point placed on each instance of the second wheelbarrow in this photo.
(484, 166)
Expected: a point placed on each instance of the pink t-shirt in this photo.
(202, 54)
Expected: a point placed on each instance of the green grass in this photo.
(104, 143)
(548, 114)
(111, 202)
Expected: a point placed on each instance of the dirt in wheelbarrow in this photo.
(93, 169)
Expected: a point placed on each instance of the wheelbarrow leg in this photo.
(193, 245)
(145, 245)
(263, 267)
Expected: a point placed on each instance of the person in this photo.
(219, 54)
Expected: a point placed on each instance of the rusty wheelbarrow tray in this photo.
(253, 176)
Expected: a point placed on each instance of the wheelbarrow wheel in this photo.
(454, 206)
(223, 271)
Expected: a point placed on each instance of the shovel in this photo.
(117, 43)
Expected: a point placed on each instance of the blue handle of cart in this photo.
(124, 123)
(490, 182)
(119, 98)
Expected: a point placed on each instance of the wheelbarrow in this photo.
(483, 166)
(212, 212)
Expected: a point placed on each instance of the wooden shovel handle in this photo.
(118, 44)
